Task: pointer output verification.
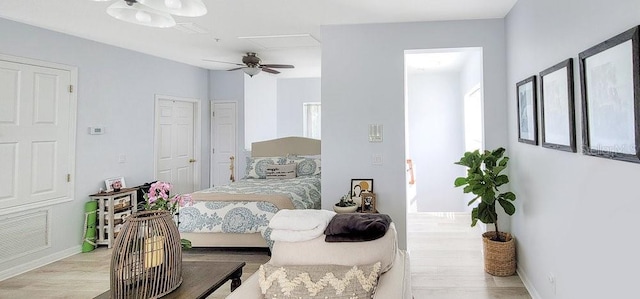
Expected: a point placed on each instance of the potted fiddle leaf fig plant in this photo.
(484, 177)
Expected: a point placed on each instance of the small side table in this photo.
(123, 202)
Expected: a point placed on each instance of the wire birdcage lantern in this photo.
(146, 261)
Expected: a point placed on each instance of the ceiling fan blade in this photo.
(268, 70)
(278, 66)
(235, 69)
(223, 62)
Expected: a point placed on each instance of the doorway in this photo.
(177, 143)
(223, 143)
(444, 119)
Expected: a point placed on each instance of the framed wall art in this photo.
(557, 108)
(527, 111)
(359, 186)
(610, 83)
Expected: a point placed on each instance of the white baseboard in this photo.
(527, 284)
(11, 272)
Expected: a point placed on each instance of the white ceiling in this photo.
(228, 20)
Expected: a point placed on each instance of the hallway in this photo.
(447, 263)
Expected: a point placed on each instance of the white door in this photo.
(37, 134)
(223, 142)
(174, 135)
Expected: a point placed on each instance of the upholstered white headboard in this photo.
(286, 146)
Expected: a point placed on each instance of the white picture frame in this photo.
(110, 181)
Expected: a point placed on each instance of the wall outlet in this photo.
(376, 159)
(122, 158)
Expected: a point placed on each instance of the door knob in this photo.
(192, 160)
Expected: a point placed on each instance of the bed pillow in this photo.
(319, 281)
(307, 166)
(286, 171)
(257, 166)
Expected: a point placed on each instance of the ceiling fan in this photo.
(154, 13)
(251, 65)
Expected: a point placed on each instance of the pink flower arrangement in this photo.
(158, 198)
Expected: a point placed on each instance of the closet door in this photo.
(37, 131)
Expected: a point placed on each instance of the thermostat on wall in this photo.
(96, 130)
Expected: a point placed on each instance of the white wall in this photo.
(363, 83)
(292, 93)
(436, 131)
(470, 77)
(116, 89)
(260, 110)
(576, 214)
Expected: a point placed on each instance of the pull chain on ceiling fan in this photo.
(155, 13)
(251, 65)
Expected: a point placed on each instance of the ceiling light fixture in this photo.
(155, 13)
(251, 70)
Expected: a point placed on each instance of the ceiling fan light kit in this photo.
(155, 13)
(251, 71)
(183, 8)
(251, 65)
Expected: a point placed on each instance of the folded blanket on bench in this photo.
(299, 225)
(357, 227)
(301, 219)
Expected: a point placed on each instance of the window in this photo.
(473, 119)
(311, 114)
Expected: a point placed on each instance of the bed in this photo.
(237, 215)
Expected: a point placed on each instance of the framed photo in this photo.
(368, 203)
(114, 184)
(557, 107)
(359, 186)
(527, 111)
(609, 78)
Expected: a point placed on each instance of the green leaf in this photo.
(501, 180)
(460, 182)
(508, 207)
(497, 153)
(487, 213)
(489, 197)
(504, 161)
(468, 189)
(498, 169)
(186, 244)
(509, 195)
(474, 216)
(473, 200)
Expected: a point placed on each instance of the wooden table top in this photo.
(199, 279)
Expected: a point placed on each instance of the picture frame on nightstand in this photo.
(368, 203)
(114, 184)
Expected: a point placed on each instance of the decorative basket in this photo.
(146, 261)
(499, 257)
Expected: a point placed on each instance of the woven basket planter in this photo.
(147, 257)
(499, 257)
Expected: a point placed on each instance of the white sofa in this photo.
(394, 282)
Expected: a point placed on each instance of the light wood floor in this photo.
(446, 262)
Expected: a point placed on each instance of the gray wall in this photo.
(292, 93)
(363, 83)
(575, 213)
(436, 138)
(116, 89)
